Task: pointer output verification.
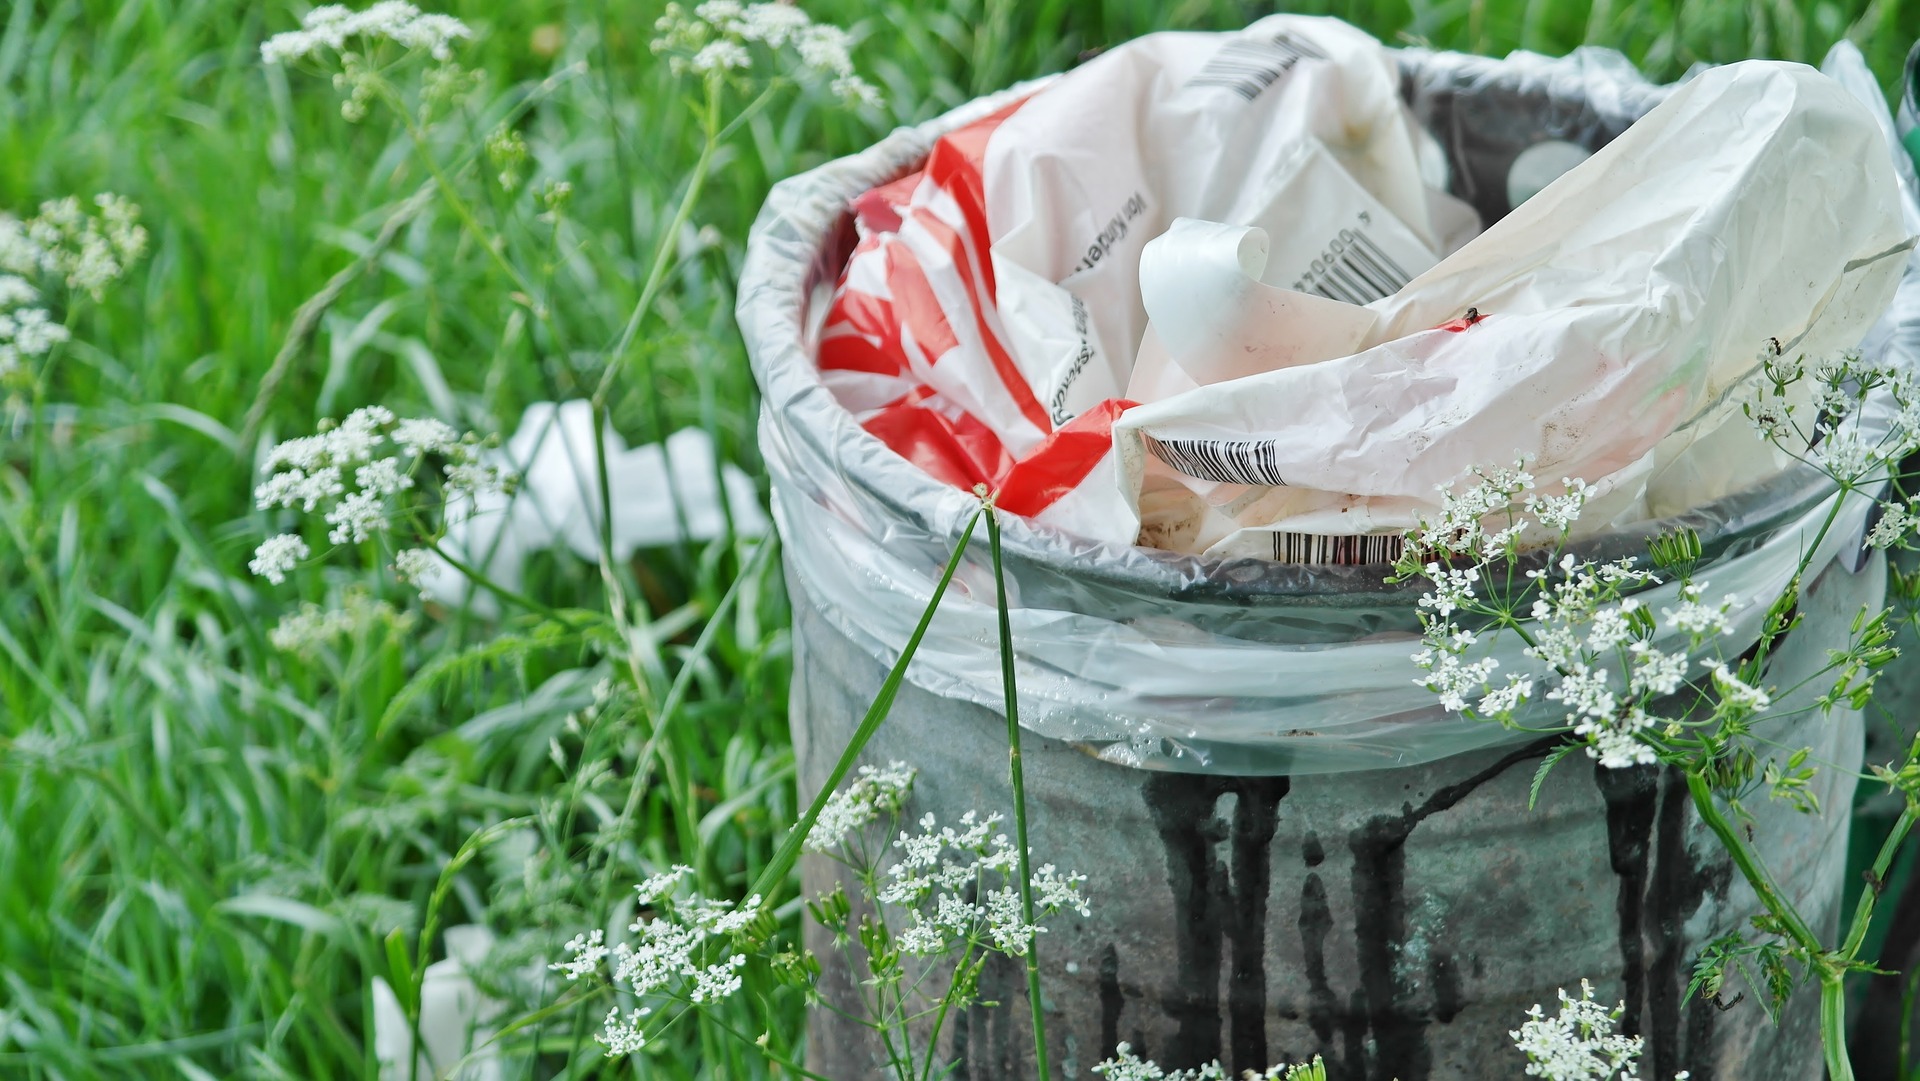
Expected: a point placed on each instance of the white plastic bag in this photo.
(659, 493)
(1615, 313)
(1249, 234)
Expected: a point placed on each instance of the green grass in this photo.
(203, 841)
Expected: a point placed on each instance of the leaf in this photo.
(284, 910)
(400, 972)
(1540, 775)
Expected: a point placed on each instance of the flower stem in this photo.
(1011, 693)
(1831, 968)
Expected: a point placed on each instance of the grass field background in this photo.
(203, 840)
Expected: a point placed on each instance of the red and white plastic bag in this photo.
(1208, 292)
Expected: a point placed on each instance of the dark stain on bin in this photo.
(1680, 886)
(1398, 1027)
(1111, 1001)
(1632, 796)
(1316, 919)
(984, 1033)
(1214, 902)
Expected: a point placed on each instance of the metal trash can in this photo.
(1291, 850)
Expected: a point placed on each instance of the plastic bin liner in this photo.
(1169, 661)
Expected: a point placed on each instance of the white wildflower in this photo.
(31, 330)
(1585, 692)
(1126, 1066)
(356, 518)
(720, 56)
(1735, 691)
(1615, 749)
(1897, 520)
(355, 438)
(1452, 589)
(1846, 457)
(313, 626)
(413, 565)
(1616, 741)
(1559, 512)
(1770, 415)
(1504, 700)
(16, 290)
(425, 435)
(661, 884)
(468, 477)
(775, 24)
(383, 476)
(944, 867)
(1624, 572)
(1554, 644)
(824, 48)
(1580, 1044)
(1655, 672)
(624, 1035)
(874, 794)
(329, 28)
(1053, 891)
(856, 92)
(1612, 627)
(713, 39)
(586, 951)
(278, 555)
(1696, 618)
(378, 451)
(1454, 680)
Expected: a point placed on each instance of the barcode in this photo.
(1353, 269)
(1345, 551)
(1232, 461)
(1248, 67)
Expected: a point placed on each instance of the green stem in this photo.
(1018, 778)
(474, 575)
(1833, 1025)
(1882, 864)
(1750, 867)
(1831, 970)
(663, 249)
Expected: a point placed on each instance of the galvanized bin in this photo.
(1291, 851)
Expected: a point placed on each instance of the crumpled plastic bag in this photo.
(1250, 234)
(457, 1018)
(659, 493)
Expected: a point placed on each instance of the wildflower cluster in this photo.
(714, 41)
(1580, 1044)
(85, 249)
(874, 794)
(307, 630)
(1126, 1066)
(1596, 641)
(689, 951)
(333, 28)
(1820, 415)
(960, 888)
(354, 38)
(354, 474)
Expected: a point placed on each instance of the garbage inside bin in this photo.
(1216, 297)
